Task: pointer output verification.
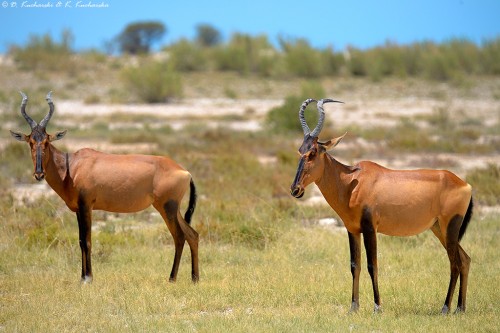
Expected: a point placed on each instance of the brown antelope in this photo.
(90, 180)
(370, 198)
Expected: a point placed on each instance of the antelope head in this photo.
(38, 139)
(311, 163)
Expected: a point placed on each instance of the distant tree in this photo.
(138, 37)
(207, 35)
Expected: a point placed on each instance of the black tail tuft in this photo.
(192, 202)
(467, 218)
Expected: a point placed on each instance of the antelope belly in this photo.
(123, 191)
(121, 202)
(403, 221)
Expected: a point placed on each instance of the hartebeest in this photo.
(90, 180)
(370, 198)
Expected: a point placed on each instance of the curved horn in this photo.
(321, 112)
(45, 120)
(301, 115)
(30, 121)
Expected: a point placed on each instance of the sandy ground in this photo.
(185, 108)
(360, 112)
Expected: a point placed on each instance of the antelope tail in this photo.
(467, 218)
(192, 202)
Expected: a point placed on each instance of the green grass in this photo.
(264, 266)
(487, 179)
(301, 282)
(262, 269)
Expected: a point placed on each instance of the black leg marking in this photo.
(171, 207)
(452, 248)
(370, 241)
(355, 251)
(84, 217)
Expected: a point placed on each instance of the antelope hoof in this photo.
(377, 309)
(195, 278)
(445, 310)
(459, 310)
(86, 280)
(354, 307)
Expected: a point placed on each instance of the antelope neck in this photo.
(336, 184)
(58, 170)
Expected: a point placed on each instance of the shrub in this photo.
(284, 119)
(486, 184)
(489, 57)
(153, 82)
(357, 62)
(43, 53)
(331, 62)
(231, 58)
(246, 54)
(187, 56)
(301, 59)
(407, 136)
(438, 67)
(16, 161)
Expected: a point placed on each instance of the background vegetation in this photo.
(267, 263)
(450, 61)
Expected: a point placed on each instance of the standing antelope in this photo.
(90, 180)
(370, 198)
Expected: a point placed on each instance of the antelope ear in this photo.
(57, 136)
(332, 142)
(19, 136)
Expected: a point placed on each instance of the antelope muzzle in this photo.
(297, 190)
(39, 173)
(39, 176)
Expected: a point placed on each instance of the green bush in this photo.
(356, 62)
(301, 59)
(438, 67)
(232, 59)
(387, 60)
(43, 53)
(246, 54)
(486, 184)
(153, 82)
(452, 60)
(489, 56)
(16, 161)
(284, 119)
(187, 56)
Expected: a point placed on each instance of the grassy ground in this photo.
(266, 265)
(301, 282)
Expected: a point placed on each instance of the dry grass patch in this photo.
(300, 282)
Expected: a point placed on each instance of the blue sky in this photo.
(360, 23)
